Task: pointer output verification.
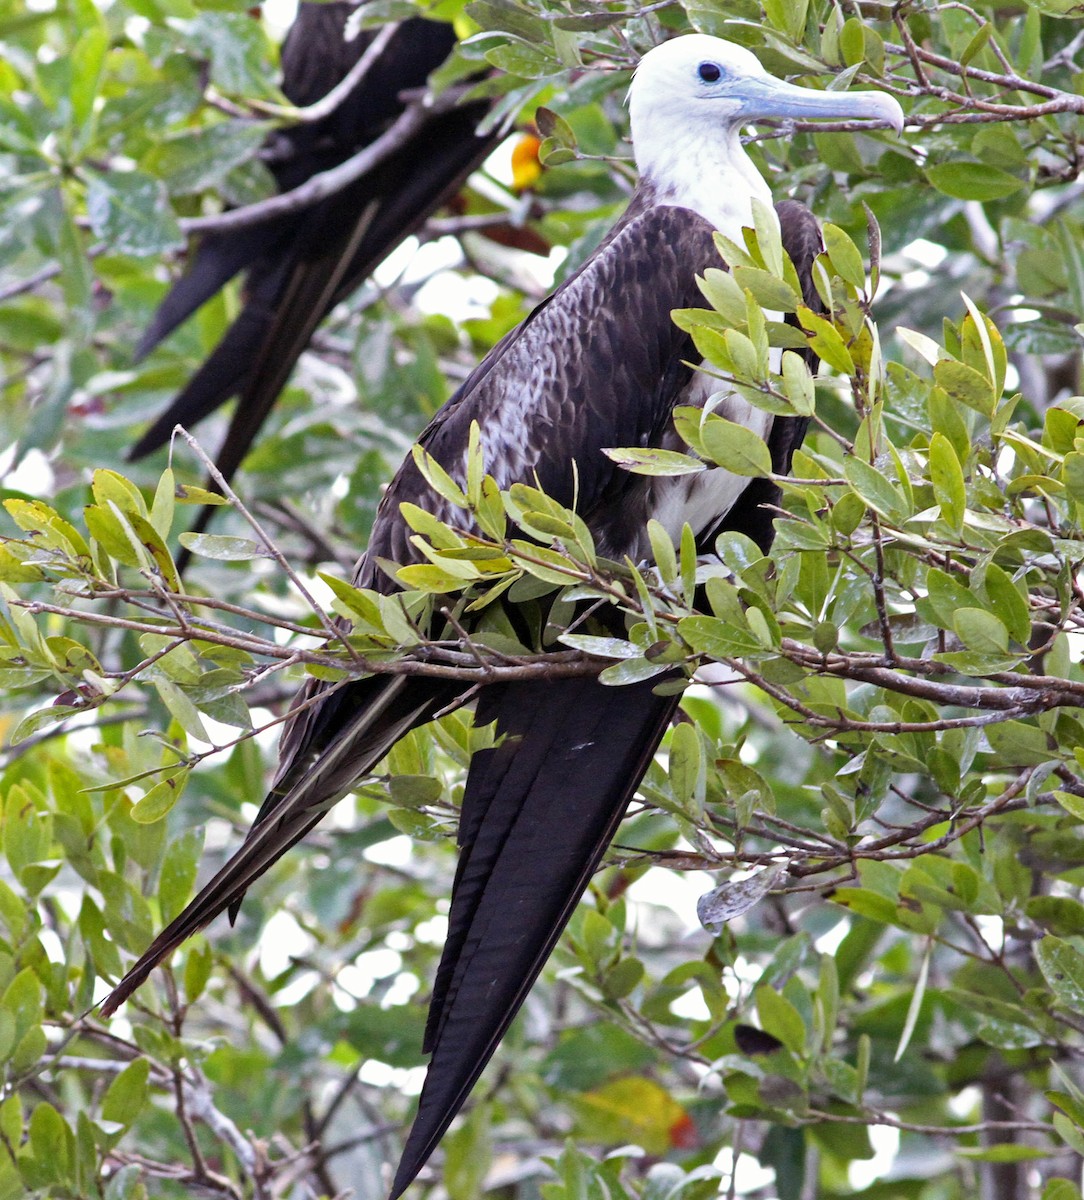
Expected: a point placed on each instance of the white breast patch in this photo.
(703, 499)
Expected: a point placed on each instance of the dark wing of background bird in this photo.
(302, 264)
(541, 807)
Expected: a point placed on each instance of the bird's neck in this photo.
(714, 178)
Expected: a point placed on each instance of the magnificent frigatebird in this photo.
(300, 265)
(599, 364)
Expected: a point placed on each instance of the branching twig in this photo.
(327, 183)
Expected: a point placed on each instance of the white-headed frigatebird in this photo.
(598, 364)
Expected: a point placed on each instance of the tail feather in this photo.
(538, 814)
(385, 709)
(217, 379)
(216, 261)
(302, 273)
(306, 297)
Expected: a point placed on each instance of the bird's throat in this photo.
(715, 178)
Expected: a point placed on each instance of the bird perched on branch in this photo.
(598, 364)
(302, 264)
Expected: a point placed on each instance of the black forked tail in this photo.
(538, 813)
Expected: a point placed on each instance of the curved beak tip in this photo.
(878, 107)
(893, 113)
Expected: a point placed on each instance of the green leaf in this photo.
(438, 478)
(236, 47)
(164, 503)
(87, 61)
(622, 979)
(981, 631)
(718, 638)
(1062, 966)
(519, 58)
(945, 595)
(875, 489)
(109, 527)
(357, 603)
(197, 971)
(1061, 1189)
(14, 569)
(187, 716)
(131, 212)
(654, 462)
(1069, 1132)
(972, 181)
(155, 547)
(1060, 915)
(51, 1142)
(866, 903)
(632, 670)
(187, 493)
(7, 1035)
(948, 481)
(781, 1019)
(1073, 475)
(221, 547)
(788, 16)
(53, 531)
(722, 292)
(11, 1120)
(425, 577)
(798, 383)
(734, 447)
(769, 243)
(1057, 8)
(30, 1049)
(768, 290)
(1020, 744)
(510, 17)
(1004, 1152)
(844, 256)
(1007, 601)
(414, 791)
(179, 868)
(687, 767)
(158, 800)
(190, 164)
(826, 341)
(23, 1000)
(965, 384)
(127, 1094)
(662, 551)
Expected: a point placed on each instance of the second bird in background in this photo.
(302, 264)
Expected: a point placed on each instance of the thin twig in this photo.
(327, 183)
(329, 102)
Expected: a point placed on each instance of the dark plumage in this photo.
(301, 265)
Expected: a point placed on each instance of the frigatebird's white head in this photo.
(689, 99)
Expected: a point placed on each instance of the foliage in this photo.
(881, 776)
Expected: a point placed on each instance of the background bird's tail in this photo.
(539, 810)
(302, 272)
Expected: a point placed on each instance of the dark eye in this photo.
(709, 72)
